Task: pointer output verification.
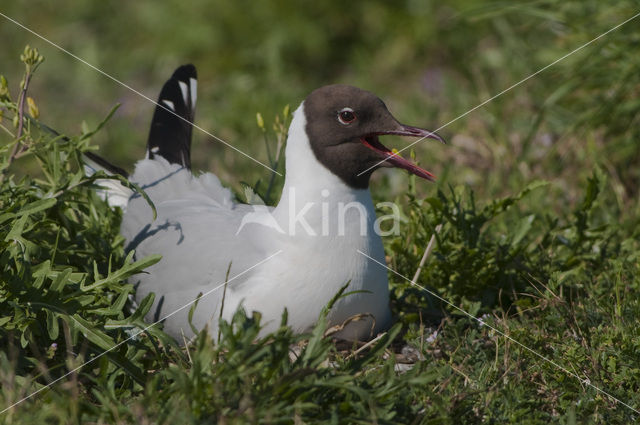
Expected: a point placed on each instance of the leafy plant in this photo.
(556, 267)
(64, 293)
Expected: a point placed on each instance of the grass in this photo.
(537, 203)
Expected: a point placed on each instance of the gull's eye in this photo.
(346, 116)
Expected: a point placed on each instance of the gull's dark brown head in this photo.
(343, 126)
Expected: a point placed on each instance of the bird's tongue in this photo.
(394, 159)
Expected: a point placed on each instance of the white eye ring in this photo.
(346, 116)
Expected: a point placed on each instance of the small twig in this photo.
(266, 143)
(70, 359)
(337, 328)
(19, 147)
(21, 99)
(282, 136)
(273, 174)
(224, 295)
(186, 346)
(421, 330)
(32, 59)
(427, 251)
(367, 345)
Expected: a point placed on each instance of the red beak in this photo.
(394, 159)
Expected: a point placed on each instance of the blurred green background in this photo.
(559, 271)
(430, 61)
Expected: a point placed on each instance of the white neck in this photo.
(308, 182)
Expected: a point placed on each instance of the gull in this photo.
(324, 220)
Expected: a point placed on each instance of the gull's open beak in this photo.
(393, 158)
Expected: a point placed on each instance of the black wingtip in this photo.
(105, 165)
(171, 126)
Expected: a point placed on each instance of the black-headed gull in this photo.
(324, 217)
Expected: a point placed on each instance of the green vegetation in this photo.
(537, 199)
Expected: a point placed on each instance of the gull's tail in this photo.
(169, 136)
